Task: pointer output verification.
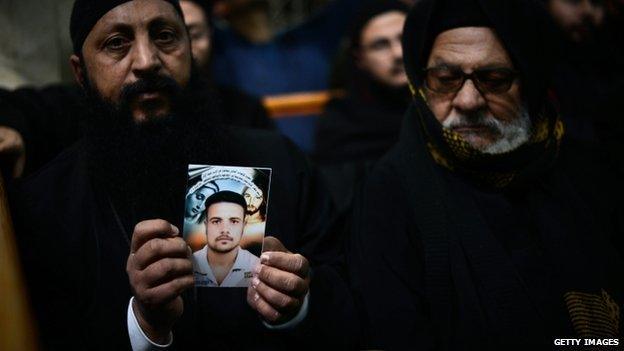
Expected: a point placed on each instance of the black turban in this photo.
(86, 13)
(523, 26)
(368, 12)
(226, 196)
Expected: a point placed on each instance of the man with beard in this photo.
(222, 262)
(37, 124)
(484, 228)
(98, 227)
(357, 129)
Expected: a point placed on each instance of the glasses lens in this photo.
(495, 80)
(443, 80)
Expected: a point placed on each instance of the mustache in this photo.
(148, 84)
(224, 237)
(474, 120)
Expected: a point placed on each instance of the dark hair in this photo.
(224, 196)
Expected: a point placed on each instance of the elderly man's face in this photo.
(488, 114)
(197, 25)
(140, 40)
(224, 226)
(380, 53)
(578, 18)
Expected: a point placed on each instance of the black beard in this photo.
(143, 166)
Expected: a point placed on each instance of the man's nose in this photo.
(397, 49)
(146, 59)
(468, 98)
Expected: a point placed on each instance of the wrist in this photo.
(155, 334)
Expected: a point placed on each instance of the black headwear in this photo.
(522, 26)
(86, 13)
(373, 9)
(226, 196)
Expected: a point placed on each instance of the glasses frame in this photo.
(474, 77)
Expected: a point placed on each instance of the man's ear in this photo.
(77, 69)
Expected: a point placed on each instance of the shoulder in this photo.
(56, 183)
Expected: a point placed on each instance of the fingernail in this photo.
(257, 269)
(264, 258)
(256, 297)
(175, 230)
(255, 282)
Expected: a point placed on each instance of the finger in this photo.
(293, 263)
(158, 248)
(264, 308)
(278, 300)
(271, 243)
(165, 270)
(286, 282)
(165, 293)
(147, 230)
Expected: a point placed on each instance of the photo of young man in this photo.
(222, 262)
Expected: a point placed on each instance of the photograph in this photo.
(225, 213)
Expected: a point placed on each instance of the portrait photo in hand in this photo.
(224, 222)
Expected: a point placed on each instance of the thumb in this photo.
(271, 243)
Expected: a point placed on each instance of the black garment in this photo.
(52, 118)
(440, 263)
(355, 131)
(588, 81)
(74, 244)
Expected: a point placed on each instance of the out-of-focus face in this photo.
(487, 111)
(380, 52)
(253, 200)
(140, 40)
(197, 25)
(579, 19)
(224, 226)
(195, 201)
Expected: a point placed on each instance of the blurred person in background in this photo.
(253, 56)
(588, 78)
(357, 129)
(36, 124)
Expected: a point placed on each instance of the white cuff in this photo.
(293, 323)
(138, 339)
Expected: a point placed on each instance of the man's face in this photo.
(490, 122)
(578, 18)
(224, 226)
(197, 25)
(380, 53)
(253, 201)
(195, 201)
(137, 42)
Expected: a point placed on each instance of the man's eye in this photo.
(116, 43)
(166, 37)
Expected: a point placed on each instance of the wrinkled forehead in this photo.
(474, 47)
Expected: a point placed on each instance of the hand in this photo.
(160, 269)
(281, 281)
(12, 151)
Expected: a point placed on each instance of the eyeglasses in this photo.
(447, 80)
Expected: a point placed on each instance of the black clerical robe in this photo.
(74, 250)
(437, 263)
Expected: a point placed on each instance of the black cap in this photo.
(86, 13)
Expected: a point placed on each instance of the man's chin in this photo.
(141, 116)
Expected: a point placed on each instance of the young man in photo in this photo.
(222, 262)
